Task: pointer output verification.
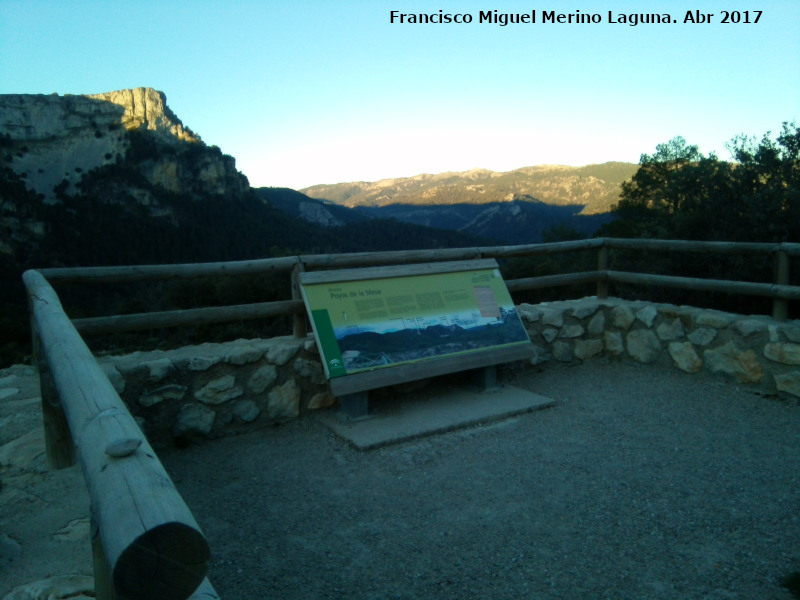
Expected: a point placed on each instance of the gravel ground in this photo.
(638, 484)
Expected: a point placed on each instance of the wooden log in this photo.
(363, 274)
(780, 306)
(545, 281)
(768, 290)
(300, 319)
(152, 543)
(172, 271)
(57, 437)
(691, 246)
(400, 257)
(602, 266)
(537, 249)
(182, 318)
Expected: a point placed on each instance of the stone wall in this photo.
(752, 350)
(212, 389)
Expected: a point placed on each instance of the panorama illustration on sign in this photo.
(376, 323)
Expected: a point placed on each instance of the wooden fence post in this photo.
(299, 321)
(780, 306)
(602, 265)
(57, 437)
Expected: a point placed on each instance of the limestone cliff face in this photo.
(147, 108)
(56, 140)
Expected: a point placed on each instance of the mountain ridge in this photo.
(595, 187)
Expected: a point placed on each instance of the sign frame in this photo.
(374, 319)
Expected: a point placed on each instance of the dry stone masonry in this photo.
(212, 389)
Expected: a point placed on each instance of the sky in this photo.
(305, 92)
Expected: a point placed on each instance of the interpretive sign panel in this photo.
(366, 319)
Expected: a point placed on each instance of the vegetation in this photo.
(679, 193)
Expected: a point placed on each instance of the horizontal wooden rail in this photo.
(546, 281)
(696, 246)
(152, 545)
(779, 291)
(173, 271)
(768, 290)
(188, 317)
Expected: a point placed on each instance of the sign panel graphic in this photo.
(376, 323)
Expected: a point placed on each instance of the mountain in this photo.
(516, 207)
(593, 188)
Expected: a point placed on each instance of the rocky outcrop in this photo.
(56, 140)
(147, 108)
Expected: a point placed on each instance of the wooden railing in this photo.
(779, 290)
(146, 542)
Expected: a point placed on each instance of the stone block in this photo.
(643, 345)
(597, 324)
(549, 334)
(787, 353)
(321, 400)
(528, 313)
(562, 351)
(586, 349)
(243, 353)
(540, 355)
(311, 370)
(702, 336)
(792, 333)
(750, 326)
(194, 418)
(284, 401)
(262, 379)
(728, 359)
(713, 318)
(168, 392)
(789, 383)
(571, 331)
(219, 391)
(159, 369)
(282, 351)
(647, 315)
(202, 363)
(685, 357)
(670, 331)
(586, 307)
(613, 343)
(246, 411)
(622, 317)
(553, 317)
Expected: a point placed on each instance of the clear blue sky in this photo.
(320, 91)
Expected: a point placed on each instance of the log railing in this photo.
(779, 290)
(146, 542)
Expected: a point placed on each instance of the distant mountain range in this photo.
(591, 189)
(516, 207)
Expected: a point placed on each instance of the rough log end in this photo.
(168, 562)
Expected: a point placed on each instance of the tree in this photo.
(680, 193)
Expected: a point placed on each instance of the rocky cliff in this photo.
(125, 148)
(53, 141)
